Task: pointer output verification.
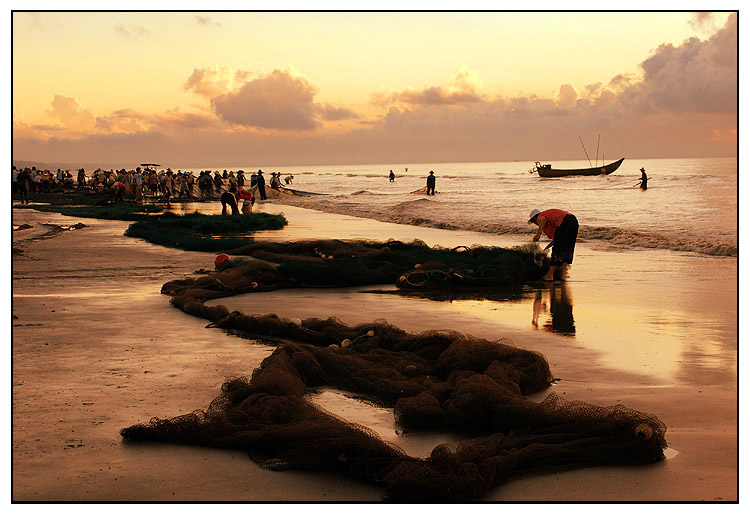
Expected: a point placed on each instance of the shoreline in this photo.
(83, 369)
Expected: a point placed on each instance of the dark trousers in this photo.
(564, 241)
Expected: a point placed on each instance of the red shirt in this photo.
(554, 218)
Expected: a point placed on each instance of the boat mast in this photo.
(597, 150)
(584, 151)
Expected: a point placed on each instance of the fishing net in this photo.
(203, 232)
(337, 263)
(111, 211)
(435, 380)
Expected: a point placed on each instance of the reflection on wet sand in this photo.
(557, 296)
(664, 342)
(455, 294)
(552, 300)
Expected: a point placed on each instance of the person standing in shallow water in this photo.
(431, 183)
(392, 176)
(644, 179)
(261, 185)
(562, 228)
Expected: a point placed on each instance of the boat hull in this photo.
(602, 170)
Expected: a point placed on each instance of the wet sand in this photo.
(96, 348)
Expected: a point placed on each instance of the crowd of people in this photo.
(147, 182)
(41, 181)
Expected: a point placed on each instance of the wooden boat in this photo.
(546, 170)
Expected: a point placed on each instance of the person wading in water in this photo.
(644, 180)
(431, 183)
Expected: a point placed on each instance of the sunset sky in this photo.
(241, 88)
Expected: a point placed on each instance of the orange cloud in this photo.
(175, 118)
(332, 113)
(215, 80)
(463, 89)
(278, 100)
(567, 96)
(72, 114)
(437, 96)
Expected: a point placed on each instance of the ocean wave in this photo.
(366, 192)
(650, 240)
(361, 175)
(410, 204)
(413, 212)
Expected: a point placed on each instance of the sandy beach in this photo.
(96, 348)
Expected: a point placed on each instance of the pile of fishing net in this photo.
(337, 263)
(203, 232)
(435, 380)
(101, 210)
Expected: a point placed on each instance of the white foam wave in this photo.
(625, 237)
(417, 213)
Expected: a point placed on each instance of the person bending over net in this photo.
(229, 198)
(562, 228)
(248, 200)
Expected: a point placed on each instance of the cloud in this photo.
(18, 115)
(621, 82)
(122, 121)
(77, 121)
(131, 30)
(215, 80)
(696, 76)
(332, 113)
(278, 100)
(437, 96)
(129, 121)
(72, 114)
(567, 96)
(207, 21)
(174, 118)
(703, 21)
(462, 90)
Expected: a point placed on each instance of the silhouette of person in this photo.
(644, 179)
(261, 182)
(431, 183)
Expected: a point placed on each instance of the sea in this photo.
(690, 204)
